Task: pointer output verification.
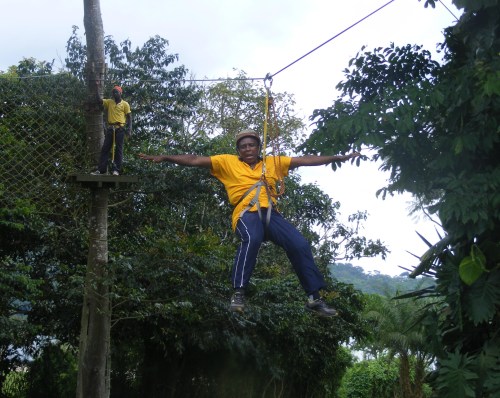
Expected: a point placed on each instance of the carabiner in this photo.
(269, 79)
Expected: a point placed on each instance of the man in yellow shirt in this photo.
(119, 124)
(254, 218)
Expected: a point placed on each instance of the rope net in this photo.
(42, 132)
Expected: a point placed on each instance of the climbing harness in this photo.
(255, 200)
(272, 126)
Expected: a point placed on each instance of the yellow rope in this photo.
(264, 141)
(113, 150)
(269, 105)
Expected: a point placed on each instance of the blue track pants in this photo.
(107, 147)
(253, 231)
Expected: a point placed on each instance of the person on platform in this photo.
(119, 125)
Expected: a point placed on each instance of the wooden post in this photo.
(96, 311)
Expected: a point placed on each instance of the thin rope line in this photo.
(334, 37)
(144, 81)
(444, 5)
(223, 79)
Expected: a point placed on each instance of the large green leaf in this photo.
(456, 378)
(483, 298)
(430, 256)
(472, 267)
(489, 365)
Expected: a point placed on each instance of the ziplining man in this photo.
(255, 219)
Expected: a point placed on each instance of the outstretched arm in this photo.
(314, 160)
(183, 160)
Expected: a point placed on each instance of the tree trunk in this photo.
(95, 69)
(418, 390)
(96, 312)
(404, 375)
(93, 364)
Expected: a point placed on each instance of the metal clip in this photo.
(267, 79)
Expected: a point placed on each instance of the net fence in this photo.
(43, 132)
(42, 135)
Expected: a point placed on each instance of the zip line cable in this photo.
(269, 76)
(334, 37)
(270, 105)
(444, 5)
(224, 79)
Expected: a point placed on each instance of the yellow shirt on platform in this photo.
(117, 112)
(237, 177)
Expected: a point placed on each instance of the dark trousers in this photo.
(253, 231)
(107, 147)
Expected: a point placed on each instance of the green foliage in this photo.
(369, 379)
(15, 385)
(170, 244)
(234, 104)
(17, 292)
(377, 283)
(481, 300)
(376, 378)
(41, 125)
(152, 84)
(471, 267)
(456, 376)
(435, 129)
(53, 373)
(396, 329)
(460, 373)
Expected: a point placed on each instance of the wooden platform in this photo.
(102, 180)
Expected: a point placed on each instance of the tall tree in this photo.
(396, 329)
(435, 129)
(93, 364)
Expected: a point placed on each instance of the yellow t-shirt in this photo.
(116, 112)
(237, 177)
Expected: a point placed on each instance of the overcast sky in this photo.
(259, 37)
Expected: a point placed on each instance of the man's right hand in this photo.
(152, 158)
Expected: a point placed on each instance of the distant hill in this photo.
(377, 283)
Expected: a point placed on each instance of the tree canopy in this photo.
(170, 246)
(434, 127)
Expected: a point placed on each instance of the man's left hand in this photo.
(351, 155)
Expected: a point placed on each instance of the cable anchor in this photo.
(268, 81)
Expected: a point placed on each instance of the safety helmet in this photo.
(247, 133)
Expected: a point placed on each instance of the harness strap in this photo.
(255, 200)
(114, 146)
(248, 191)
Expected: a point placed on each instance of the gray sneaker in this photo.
(320, 308)
(97, 173)
(237, 302)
